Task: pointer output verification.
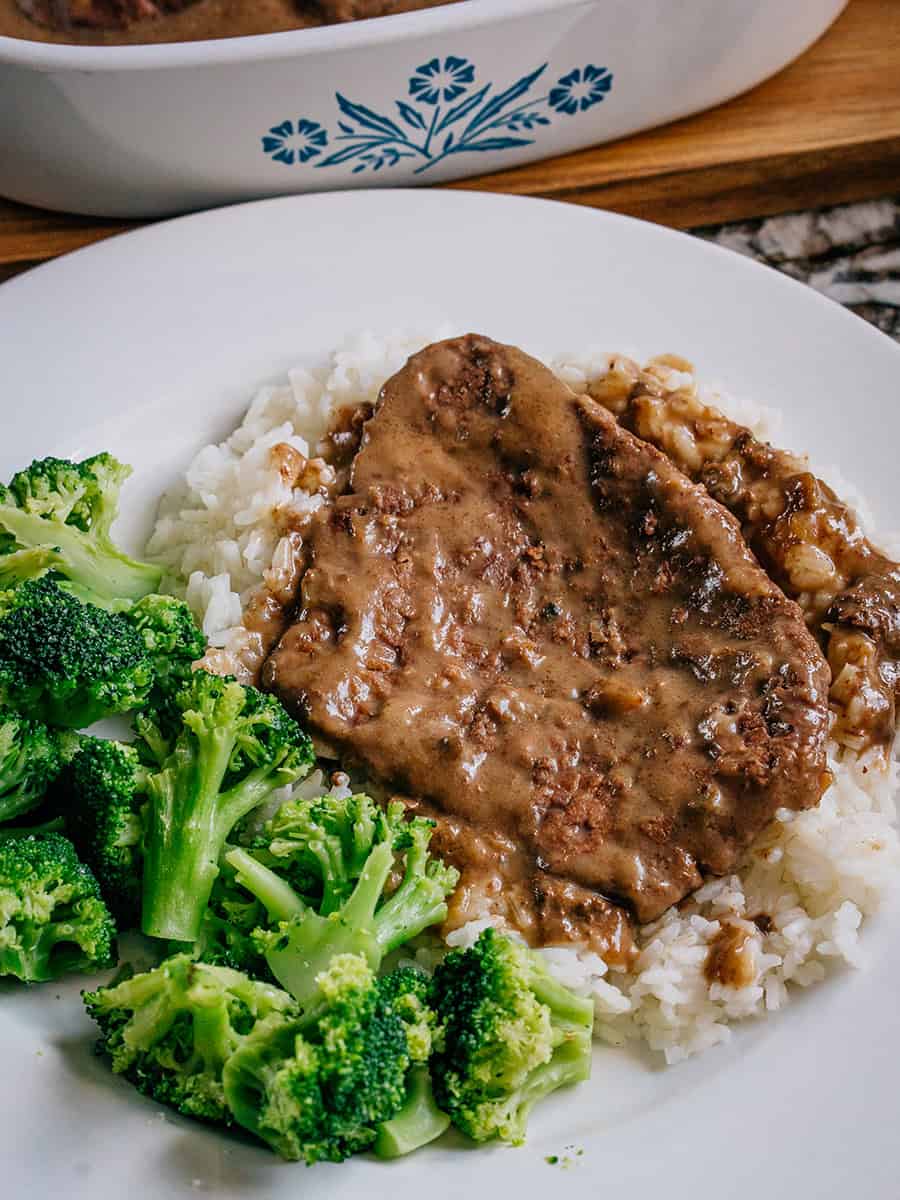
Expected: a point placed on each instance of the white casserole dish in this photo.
(424, 97)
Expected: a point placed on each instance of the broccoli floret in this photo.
(171, 638)
(233, 746)
(321, 845)
(52, 919)
(419, 1120)
(512, 1035)
(65, 662)
(31, 757)
(317, 1088)
(171, 1030)
(227, 927)
(354, 915)
(102, 794)
(409, 990)
(69, 508)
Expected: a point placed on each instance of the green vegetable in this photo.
(512, 1035)
(171, 638)
(419, 1120)
(17, 566)
(9, 833)
(102, 794)
(52, 919)
(222, 749)
(322, 845)
(409, 991)
(171, 1030)
(226, 929)
(69, 508)
(31, 757)
(346, 847)
(65, 662)
(319, 1087)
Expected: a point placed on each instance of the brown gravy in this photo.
(729, 960)
(808, 540)
(206, 19)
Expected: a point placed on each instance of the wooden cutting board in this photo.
(824, 131)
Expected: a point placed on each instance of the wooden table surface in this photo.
(825, 130)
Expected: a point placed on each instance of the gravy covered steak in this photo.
(532, 622)
(803, 534)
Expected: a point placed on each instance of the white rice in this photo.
(815, 875)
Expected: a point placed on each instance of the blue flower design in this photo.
(449, 115)
(435, 80)
(579, 90)
(289, 142)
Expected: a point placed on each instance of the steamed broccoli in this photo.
(65, 662)
(409, 991)
(170, 635)
(419, 1120)
(68, 508)
(171, 1030)
(31, 757)
(102, 794)
(52, 919)
(223, 749)
(226, 929)
(347, 847)
(512, 1035)
(321, 845)
(17, 566)
(320, 1086)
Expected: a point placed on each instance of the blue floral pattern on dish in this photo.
(436, 81)
(580, 90)
(295, 141)
(448, 115)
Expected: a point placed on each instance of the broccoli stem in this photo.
(359, 911)
(56, 825)
(571, 1015)
(303, 947)
(212, 1031)
(419, 901)
(101, 568)
(571, 1063)
(418, 1122)
(188, 824)
(14, 805)
(20, 565)
(416, 905)
(278, 898)
(150, 1021)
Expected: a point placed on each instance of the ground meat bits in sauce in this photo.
(803, 534)
(531, 621)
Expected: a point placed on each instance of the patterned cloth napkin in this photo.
(850, 253)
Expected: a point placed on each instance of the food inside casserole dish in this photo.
(123, 22)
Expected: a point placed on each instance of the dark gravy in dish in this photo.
(130, 22)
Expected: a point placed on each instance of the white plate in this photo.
(151, 344)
